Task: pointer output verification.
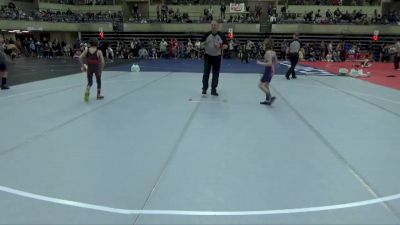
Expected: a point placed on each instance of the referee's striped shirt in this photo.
(294, 46)
(397, 46)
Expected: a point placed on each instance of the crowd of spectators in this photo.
(335, 2)
(193, 2)
(191, 49)
(250, 49)
(12, 12)
(172, 14)
(30, 47)
(83, 2)
(335, 17)
(340, 51)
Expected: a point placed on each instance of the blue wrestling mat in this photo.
(227, 66)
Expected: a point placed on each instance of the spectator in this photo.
(308, 17)
(143, 53)
(328, 15)
(223, 9)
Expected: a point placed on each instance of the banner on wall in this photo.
(237, 8)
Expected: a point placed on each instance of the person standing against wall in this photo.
(223, 9)
(397, 55)
(3, 69)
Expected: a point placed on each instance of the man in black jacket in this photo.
(397, 55)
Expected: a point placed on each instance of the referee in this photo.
(396, 60)
(214, 42)
(294, 48)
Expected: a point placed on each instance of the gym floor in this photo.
(155, 151)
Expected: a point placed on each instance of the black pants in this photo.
(396, 61)
(245, 56)
(215, 63)
(96, 71)
(294, 59)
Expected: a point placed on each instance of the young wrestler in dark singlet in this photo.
(95, 63)
(270, 62)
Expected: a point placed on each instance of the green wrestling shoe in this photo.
(86, 96)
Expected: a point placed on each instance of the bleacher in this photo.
(313, 39)
(127, 37)
(194, 11)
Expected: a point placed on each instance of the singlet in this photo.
(92, 58)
